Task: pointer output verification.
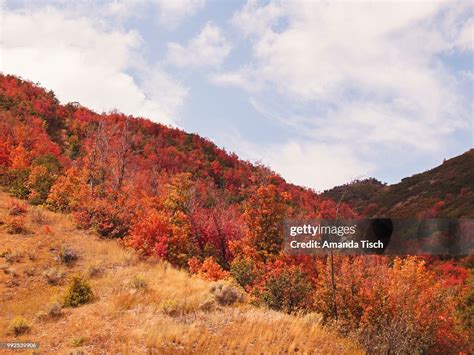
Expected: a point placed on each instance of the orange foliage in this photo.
(208, 269)
(264, 215)
(401, 307)
(65, 192)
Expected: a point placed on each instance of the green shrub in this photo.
(19, 325)
(78, 292)
(16, 181)
(244, 271)
(286, 290)
(74, 148)
(39, 183)
(50, 162)
(43, 174)
(78, 341)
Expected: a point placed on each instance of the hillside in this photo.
(139, 307)
(136, 208)
(445, 191)
(34, 124)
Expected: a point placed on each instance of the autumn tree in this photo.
(285, 288)
(45, 170)
(264, 214)
(399, 308)
(66, 192)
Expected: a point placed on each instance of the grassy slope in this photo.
(130, 321)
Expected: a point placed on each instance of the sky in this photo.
(322, 92)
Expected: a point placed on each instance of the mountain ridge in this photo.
(443, 191)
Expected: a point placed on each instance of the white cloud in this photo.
(366, 77)
(83, 60)
(166, 13)
(208, 49)
(245, 78)
(465, 41)
(163, 92)
(118, 10)
(315, 165)
(255, 19)
(329, 50)
(172, 12)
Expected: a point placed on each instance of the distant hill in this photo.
(445, 191)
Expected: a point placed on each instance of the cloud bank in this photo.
(84, 60)
(356, 81)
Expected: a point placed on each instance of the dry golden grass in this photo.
(140, 307)
(248, 331)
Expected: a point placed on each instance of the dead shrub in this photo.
(54, 309)
(30, 271)
(16, 208)
(176, 308)
(225, 294)
(19, 325)
(138, 283)
(38, 216)
(208, 305)
(10, 271)
(68, 256)
(53, 275)
(32, 255)
(129, 258)
(13, 257)
(13, 282)
(94, 271)
(5, 252)
(15, 225)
